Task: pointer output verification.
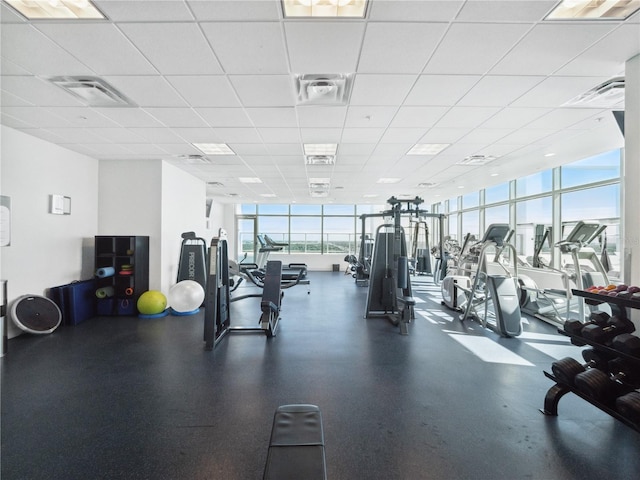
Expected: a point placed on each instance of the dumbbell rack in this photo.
(555, 393)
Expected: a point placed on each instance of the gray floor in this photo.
(125, 398)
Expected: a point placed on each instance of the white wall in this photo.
(46, 250)
(156, 199)
(183, 210)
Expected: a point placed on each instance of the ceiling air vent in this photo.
(215, 184)
(321, 159)
(194, 159)
(608, 94)
(475, 160)
(92, 91)
(323, 89)
(319, 193)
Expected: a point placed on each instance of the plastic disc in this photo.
(36, 314)
(164, 313)
(184, 314)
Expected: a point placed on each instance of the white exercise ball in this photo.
(186, 296)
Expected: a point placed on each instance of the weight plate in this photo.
(36, 314)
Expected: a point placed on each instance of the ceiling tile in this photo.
(555, 91)
(323, 47)
(147, 91)
(440, 90)
(370, 116)
(129, 117)
(398, 47)
(498, 90)
(246, 10)
(402, 135)
(35, 91)
(563, 118)
(371, 89)
(197, 135)
(513, 117)
(607, 57)
(77, 135)
(444, 135)
(411, 10)
(505, 10)
(148, 10)
(320, 135)
(158, 135)
(485, 136)
(205, 90)
(321, 116)
(174, 48)
(176, 116)
(224, 117)
(118, 135)
(264, 90)
(238, 135)
(273, 117)
(362, 135)
(100, 46)
(466, 117)
(35, 116)
(473, 48)
(28, 48)
(548, 47)
(83, 117)
(424, 117)
(247, 48)
(279, 135)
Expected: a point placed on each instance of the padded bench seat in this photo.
(296, 449)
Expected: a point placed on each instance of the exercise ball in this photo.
(186, 296)
(152, 302)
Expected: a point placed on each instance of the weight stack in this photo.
(3, 318)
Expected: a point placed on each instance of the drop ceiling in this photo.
(489, 78)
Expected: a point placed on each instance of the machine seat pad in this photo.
(409, 301)
(296, 449)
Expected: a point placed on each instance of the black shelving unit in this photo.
(555, 393)
(128, 256)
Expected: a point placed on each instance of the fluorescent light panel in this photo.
(427, 148)
(321, 159)
(388, 180)
(594, 10)
(249, 180)
(324, 8)
(320, 148)
(61, 9)
(214, 148)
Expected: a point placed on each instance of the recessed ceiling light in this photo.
(249, 180)
(494, 174)
(214, 148)
(62, 9)
(268, 195)
(320, 148)
(460, 186)
(370, 195)
(594, 10)
(549, 154)
(388, 180)
(324, 8)
(427, 148)
(426, 184)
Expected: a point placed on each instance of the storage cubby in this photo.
(122, 273)
(619, 307)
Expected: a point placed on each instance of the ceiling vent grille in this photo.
(195, 159)
(92, 91)
(606, 95)
(319, 193)
(476, 160)
(323, 89)
(321, 159)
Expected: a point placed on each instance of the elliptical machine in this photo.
(493, 298)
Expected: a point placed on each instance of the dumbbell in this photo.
(603, 387)
(574, 327)
(629, 406)
(603, 334)
(627, 343)
(566, 369)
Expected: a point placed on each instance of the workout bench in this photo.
(296, 449)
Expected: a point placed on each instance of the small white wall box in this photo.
(59, 205)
